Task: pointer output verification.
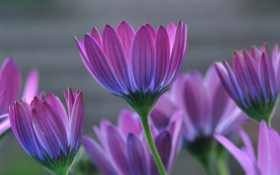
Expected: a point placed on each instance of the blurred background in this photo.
(40, 33)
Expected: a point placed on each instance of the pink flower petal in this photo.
(114, 50)
(143, 59)
(31, 86)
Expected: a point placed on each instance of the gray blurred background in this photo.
(40, 33)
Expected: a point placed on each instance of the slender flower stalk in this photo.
(207, 110)
(254, 81)
(124, 149)
(45, 131)
(137, 66)
(10, 85)
(267, 162)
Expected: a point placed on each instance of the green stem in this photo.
(207, 165)
(146, 127)
(222, 166)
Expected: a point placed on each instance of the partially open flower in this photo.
(207, 110)
(137, 66)
(254, 81)
(45, 131)
(124, 149)
(10, 85)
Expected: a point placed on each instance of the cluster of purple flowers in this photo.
(202, 115)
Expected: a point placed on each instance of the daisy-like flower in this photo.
(10, 85)
(124, 149)
(45, 131)
(254, 81)
(137, 66)
(207, 110)
(268, 159)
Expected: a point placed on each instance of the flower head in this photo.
(10, 85)
(207, 110)
(268, 159)
(206, 106)
(45, 131)
(124, 149)
(138, 66)
(254, 81)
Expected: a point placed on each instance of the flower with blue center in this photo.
(268, 154)
(137, 66)
(253, 82)
(45, 131)
(10, 85)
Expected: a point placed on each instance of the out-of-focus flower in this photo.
(254, 81)
(206, 106)
(45, 131)
(268, 159)
(124, 148)
(137, 66)
(207, 109)
(10, 84)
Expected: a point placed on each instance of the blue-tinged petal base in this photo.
(259, 110)
(60, 165)
(142, 103)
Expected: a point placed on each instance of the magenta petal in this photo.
(114, 50)
(143, 59)
(126, 34)
(252, 74)
(275, 56)
(248, 144)
(102, 68)
(56, 125)
(152, 31)
(247, 163)
(162, 111)
(31, 86)
(196, 104)
(239, 72)
(268, 150)
(270, 71)
(117, 149)
(98, 156)
(25, 130)
(10, 84)
(162, 56)
(264, 78)
(225, 80)
(171, 30)
(76, 123)
(129, 123)
(256, 54)
(137, 156)
(44, 134)
(163, 144)
(234, 82)
(175, 55)
(95, 34)
(58, 106)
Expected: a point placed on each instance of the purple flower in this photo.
(206, 106)
(45, 131)
(267, 162)
(207, 109)
(138, 66)
(124, 149)
(254, 81)
(10, 85)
